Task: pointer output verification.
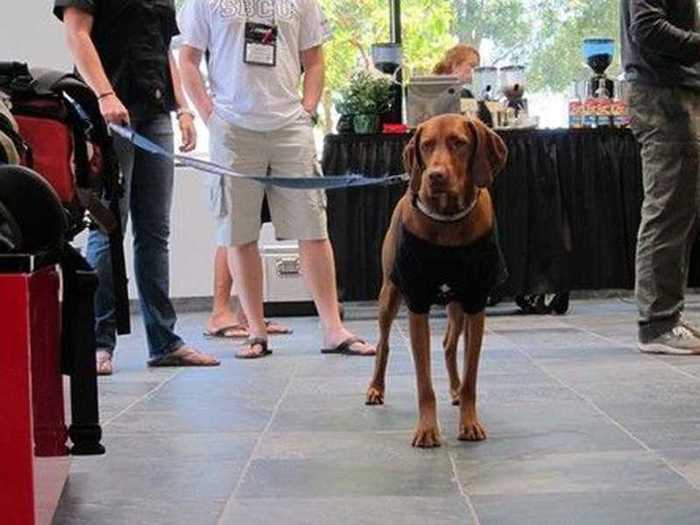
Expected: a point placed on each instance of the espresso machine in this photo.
(598, 53)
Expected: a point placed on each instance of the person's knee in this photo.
(313, 243)
(243, 247)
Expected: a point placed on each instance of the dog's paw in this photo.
(375, 396)
(426, 436)
(472, 431)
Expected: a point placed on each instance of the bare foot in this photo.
(274, 328)
(254, 348)
(357, 347)
(184, 356)
(227, 325)
(103, 362)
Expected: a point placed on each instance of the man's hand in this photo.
(207, 111)
(113, 110)
(314, 68)
(187, 131)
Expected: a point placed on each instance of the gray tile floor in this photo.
(582, 429)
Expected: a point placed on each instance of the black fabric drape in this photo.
(568, 206)
(359, 217)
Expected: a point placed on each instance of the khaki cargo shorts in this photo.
(236, 204)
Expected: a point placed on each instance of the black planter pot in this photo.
(345, 124)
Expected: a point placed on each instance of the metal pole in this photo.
(395, 14)
(398, 91)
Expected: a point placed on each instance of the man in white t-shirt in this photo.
(259, 123)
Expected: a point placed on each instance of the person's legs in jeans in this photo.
(151, 200)
(664, 123)
(99, 256)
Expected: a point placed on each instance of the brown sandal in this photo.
(251, 343)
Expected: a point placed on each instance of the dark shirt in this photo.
(660, 42)
(429, 274)
(132, 38)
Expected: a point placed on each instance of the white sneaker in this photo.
(694, 330)
(679, 340)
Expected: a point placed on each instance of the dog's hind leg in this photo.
(389, 303)
(470, 428)
(455, 322)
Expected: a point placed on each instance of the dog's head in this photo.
(450, 154)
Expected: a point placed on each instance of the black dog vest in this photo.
(429, 274)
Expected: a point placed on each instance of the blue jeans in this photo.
(148, 192)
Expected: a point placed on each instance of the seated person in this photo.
(459, 61)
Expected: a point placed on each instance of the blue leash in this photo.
(296, 183)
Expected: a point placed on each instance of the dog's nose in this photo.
(436, 177)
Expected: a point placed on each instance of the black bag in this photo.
(69, 145)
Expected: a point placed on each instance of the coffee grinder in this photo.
(598, 53)
(485, 83)
(387, 58)
(513, 88)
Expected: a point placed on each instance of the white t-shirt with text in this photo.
(254, 97)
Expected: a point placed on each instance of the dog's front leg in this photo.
(427, 431)
(470, 428)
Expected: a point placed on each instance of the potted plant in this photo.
(366, 98)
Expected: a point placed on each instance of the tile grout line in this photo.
(649, 357)
(147, 395)
(258, 443)
(607, 416)
(453, 465)
(465, 496)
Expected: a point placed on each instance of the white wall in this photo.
(29, 32)
(192, 239)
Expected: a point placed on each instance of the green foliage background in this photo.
(544, 35)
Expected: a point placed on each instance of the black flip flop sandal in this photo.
(344, 348)
(175, 359)
(252, 342)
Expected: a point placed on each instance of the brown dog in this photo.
(441, 247)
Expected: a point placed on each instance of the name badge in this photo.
(260, 44)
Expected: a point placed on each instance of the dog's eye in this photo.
(457, 143)
(428, 146)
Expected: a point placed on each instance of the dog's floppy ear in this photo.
(489, 155)
(413, 162)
